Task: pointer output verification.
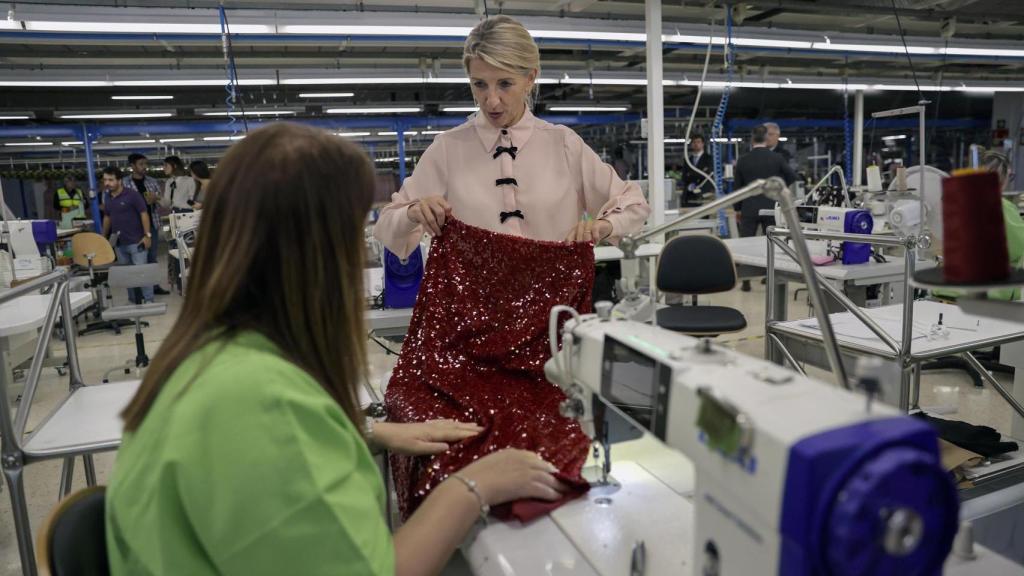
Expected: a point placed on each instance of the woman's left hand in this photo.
(422, 438)
(589, 231)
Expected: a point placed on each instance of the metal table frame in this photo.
(899, 351)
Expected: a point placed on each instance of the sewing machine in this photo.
(792, 476)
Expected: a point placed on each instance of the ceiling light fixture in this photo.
(28, 144)
(112, 116)
(252, 113)
(222, 138)
(15, 117)
(397, 110)
(327, 94)
(459, 108)
(170, 140)
(588, 108)
(147, 27)
(132, 142)
(142, 97)
(352, 134)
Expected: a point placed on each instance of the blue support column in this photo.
(90, 169)
(400, 128)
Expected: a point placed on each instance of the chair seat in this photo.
(134, 311)
(701, 319)
(89, 420)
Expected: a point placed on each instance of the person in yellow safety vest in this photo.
(70, 202)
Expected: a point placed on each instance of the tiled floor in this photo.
(99, 352)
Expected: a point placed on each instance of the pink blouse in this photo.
(535, 180)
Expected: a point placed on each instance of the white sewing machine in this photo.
(793, 476)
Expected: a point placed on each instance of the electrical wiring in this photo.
(906, 50)
(716, 127)
(693, 116)
(232, 72)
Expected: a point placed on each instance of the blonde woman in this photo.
(506, 170)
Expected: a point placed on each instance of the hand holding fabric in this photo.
(422, 438)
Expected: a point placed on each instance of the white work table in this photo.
(852, 279)
(20, 321)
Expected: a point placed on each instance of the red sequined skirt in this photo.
(475, 352)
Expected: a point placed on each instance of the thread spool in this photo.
(874, 179)
(974, 234)
(901, 179)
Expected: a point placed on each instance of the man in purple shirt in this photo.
(126, 215)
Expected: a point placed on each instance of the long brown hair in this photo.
(280, 252)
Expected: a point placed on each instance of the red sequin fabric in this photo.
(475, 352)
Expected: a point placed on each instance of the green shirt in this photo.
(248, 468)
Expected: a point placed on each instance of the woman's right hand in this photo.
(511, 474)
(431, 212)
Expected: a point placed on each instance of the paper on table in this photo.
(23, 242)
(849, 326)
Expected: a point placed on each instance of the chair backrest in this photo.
(92, 243)
(698, 264)
(73, 542)
(135, 276)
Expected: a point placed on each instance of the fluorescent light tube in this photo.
(431, 132)
(155, 27)
(327, 94)
(588, 108)
(132, 142)
(352, 134)
(28, 144)
(54, 83)
(195, 82)
(252, 113)
(981, 52)
(15, 117)
(114, 116)
(347, 30)
(399, 110)
(408, 133)
(875, 48)
(459, 108)
(72, 143)
(169, 140)
(222, 138)
(142, 97)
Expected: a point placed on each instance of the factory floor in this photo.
(952, 391)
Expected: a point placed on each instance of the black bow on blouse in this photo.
(511, 150)
(513, 214)
(502, 181)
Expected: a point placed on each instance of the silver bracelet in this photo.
(485, 509)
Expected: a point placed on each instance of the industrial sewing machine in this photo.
(793, 476)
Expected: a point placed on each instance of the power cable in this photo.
(906, 50)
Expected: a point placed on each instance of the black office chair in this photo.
(74, 541)
(693, 265)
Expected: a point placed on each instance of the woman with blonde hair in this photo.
(506, 170)
(244, 447)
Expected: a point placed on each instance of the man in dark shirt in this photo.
(694, 185)
(128, 217)
(759, 163)
(149, 188)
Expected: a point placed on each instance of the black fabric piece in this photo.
(512, 214)
(511, 151)
(981, 440)
(501, 181)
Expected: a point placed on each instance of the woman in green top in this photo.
(243, 450)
